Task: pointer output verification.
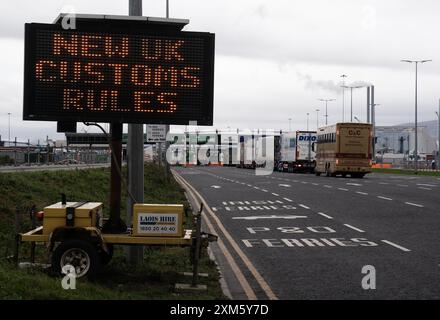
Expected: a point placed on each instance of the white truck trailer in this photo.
(297, 152)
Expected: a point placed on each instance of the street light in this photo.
(290, 126)
(307, 121)
(326, 113)
(317, 119)
(438, 152)
(343, 96)
(373, 122)
(356, 118)
(416, 156)
(9, 129)
(351, 99)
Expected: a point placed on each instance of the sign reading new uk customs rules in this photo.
(112, 75)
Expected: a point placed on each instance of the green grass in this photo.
(407, 172)
(153, 279)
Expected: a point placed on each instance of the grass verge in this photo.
(407, 172)
(153, 279)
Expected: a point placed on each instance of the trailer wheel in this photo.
(82, 255)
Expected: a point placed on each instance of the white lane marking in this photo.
(216, 187)
(384, 198)
(327, 186)
(354, 184)
(325, 215)
(303, 206)
(414, 204)
(303, 182)
(249, 185)
(426, 185)
(264, 190)
(257, 188)
(287, 199)
(269, 217)
(396, 245)
(315, 184)
(285, 185)
(362, 193)
(423, 188)
(383, 183)
(354, 228)
(275, 194)
(343, 189)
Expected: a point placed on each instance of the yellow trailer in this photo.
(73, 233)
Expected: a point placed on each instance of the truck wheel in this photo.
(82, 255)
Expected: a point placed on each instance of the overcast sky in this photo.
(274, 59)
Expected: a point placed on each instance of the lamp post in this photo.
(308, 121)
(416, 156)
(356, 118)
(373, 122)
(326, 110)
(9, 129)
(437, 165)
(317, 119)
(351, 99)
(343, 96)
(290, 124)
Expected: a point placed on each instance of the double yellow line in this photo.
(192, 192)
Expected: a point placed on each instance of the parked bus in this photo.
(344, 148)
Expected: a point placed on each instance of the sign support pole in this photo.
(115, 224)
(167, 127)
(135, 161)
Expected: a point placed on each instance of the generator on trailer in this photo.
(73, 233)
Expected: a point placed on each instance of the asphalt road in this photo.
(298, 236)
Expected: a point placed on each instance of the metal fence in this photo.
(18, 153)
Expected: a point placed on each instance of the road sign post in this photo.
(135, 161)
(115, 224)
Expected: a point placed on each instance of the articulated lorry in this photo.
(297, 152)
